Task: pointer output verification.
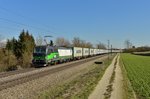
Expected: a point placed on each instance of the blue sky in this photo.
(91, 20)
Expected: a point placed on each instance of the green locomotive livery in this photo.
(44, 55)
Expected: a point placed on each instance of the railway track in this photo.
(6, 74)
(19, 77)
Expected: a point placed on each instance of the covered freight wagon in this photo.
(98, 51)
(91, 51)
(77, 52)
(65, 53)
(95, 51)
(86, 52)
(102, 51)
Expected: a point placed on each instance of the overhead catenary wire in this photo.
(10, 28)
(22, 24)
(20, 15)
(44, 28)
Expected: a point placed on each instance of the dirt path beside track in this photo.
(111, 84)
(117, 92)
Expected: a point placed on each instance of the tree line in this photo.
(138, 49)
(129, 48)
(18, 52)
(77, 42)
(24, 45)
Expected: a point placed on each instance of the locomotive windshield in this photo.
(40, 49)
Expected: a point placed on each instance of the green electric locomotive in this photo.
(44, 55)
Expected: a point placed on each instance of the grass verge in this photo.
(81, 86)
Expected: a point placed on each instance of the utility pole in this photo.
(111, 50)
(108, 50)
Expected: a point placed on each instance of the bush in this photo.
(138, 49)
(8, 60)
(26, 60)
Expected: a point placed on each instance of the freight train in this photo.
(44, 55)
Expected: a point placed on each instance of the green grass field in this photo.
(138, 72)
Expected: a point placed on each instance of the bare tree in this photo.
(131, 45)
(100, 46)
(76, 42)
(39, 40)
(128, 44)
(82, 43)
(89, 45)
(60, 41)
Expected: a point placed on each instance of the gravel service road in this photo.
(117, 92)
